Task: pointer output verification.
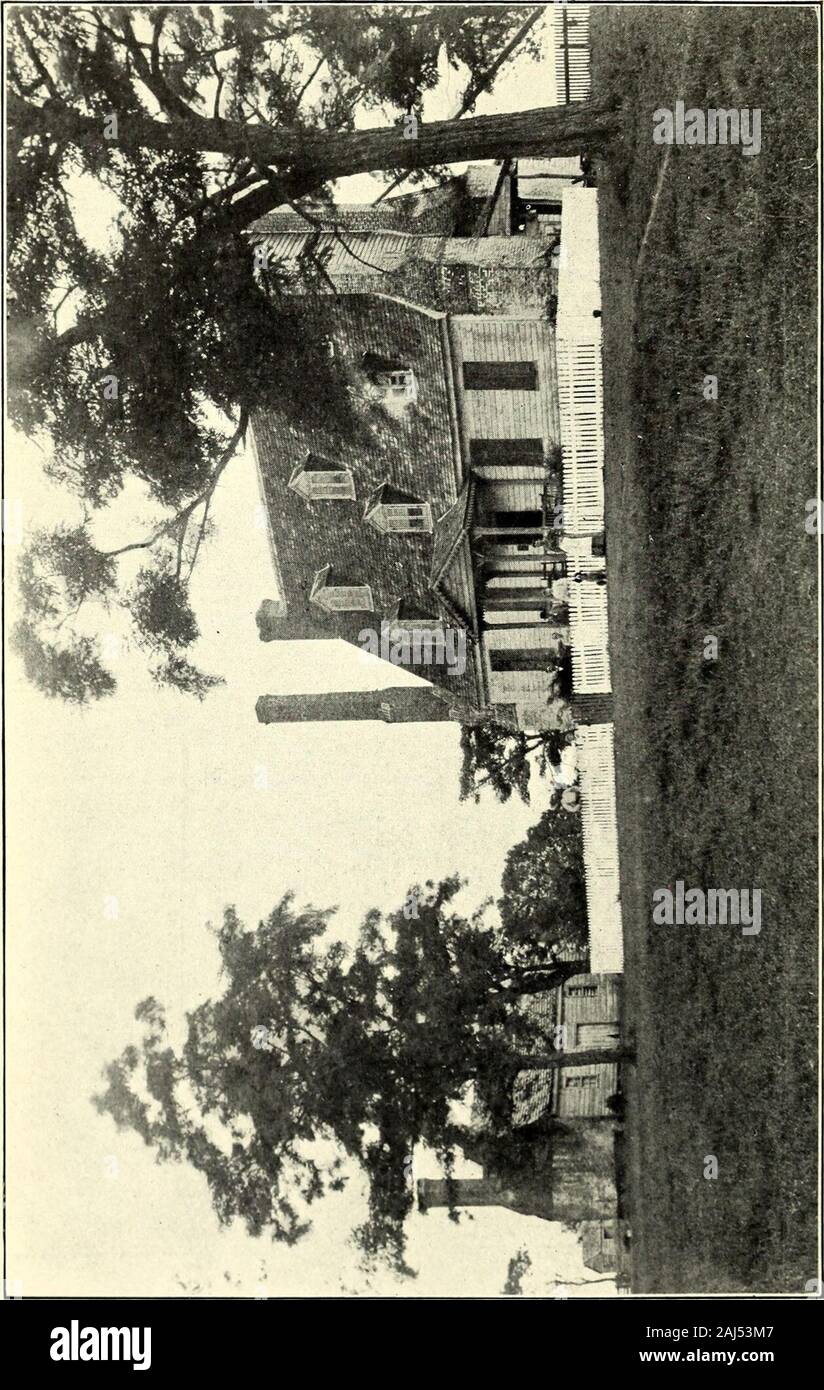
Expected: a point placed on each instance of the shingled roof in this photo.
(410, 450)
(434, 210)
(451, 575)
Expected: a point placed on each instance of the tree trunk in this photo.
(323, 154)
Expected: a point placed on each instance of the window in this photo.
(582, 991)
(401, 382)
(318, 480)
(407, 516)
(579, 1083)
(408, 616)
(392, 377)
(391, 509)
(506, 453)
(500, 376)
(348, 598)
(326, 485)
(340, 598)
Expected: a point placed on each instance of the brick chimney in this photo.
(407, 704)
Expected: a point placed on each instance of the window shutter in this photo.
(536, 660)
(507, 453)
(500, 376)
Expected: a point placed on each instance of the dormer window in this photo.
(401, 382)
(340, 598)
(391, 377)
(407, 516)
(319, 479)
(406, 616)
(391, 509)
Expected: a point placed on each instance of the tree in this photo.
(72, 672)
(504, 760)
(144, 360)
(518, 1268)
(317, 1056)
(543, 902)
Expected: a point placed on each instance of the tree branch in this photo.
(157, 29)
(37, 62)
(476, 87)
(310, 79)
(221, 78)
(313, 157)
(177, 525)
(149, 71)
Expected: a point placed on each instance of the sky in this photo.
(133, 823)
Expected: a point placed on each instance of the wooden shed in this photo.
(581, 1015)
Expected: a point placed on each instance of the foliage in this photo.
(504, 759)
(131, 358)
(72, 672)
(58, 573)
(394, 51)
(517, 1270)
(161, 610)
(318, 1058)
(180, 674)
(543, 902)
(68, 555)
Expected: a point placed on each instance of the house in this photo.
(583, 1014)
(461, 534)
(448, 516)
(550, 1150)
(605, 1247)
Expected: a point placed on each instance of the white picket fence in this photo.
(581, 406)
(580, 394)
(581, 410)
(589, 639)
(570, 42)
(599, 824)
(581, 402)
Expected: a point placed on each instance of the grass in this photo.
(716, 760)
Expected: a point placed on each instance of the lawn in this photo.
(716, 759)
